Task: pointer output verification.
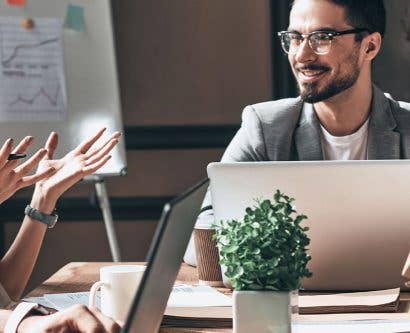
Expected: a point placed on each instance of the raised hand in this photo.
(14, 176)
(74, 166)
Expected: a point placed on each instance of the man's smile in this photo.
(307, 74)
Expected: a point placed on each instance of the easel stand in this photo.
(104, 204)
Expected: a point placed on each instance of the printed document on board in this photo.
(32, 78)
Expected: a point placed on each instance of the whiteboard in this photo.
(91, 80)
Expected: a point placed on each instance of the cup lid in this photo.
(204, 221)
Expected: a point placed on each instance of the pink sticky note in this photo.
(20, 3)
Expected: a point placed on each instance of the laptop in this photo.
(164, 260)
(358, 214)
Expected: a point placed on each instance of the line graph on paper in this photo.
(41, 93)
(20, 48)
(32, 85)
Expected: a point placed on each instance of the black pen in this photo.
(16, 156)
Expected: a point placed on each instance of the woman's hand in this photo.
(77, 318)
(52, 179)
(14, 176)
(74, 166)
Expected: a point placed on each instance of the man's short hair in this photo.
(368, 14)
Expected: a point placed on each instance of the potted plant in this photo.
(264, 256)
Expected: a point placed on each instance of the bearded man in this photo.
(340, 114)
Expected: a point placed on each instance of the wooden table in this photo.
(79, 276)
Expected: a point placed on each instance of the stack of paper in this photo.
(201, 306)
(209, 317)
(186, 296)
(372, 301)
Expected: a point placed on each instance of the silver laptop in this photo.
(358, 214)
(164, 260)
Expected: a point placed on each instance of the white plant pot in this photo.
(264, 311)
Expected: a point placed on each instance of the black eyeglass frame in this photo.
(329, 33)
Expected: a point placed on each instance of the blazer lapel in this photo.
(307, 135)
(383, 142)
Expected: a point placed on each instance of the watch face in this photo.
(53, 223)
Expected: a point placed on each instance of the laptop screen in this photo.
(358, 214)
(164, 260)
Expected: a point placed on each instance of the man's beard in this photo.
(310, 93)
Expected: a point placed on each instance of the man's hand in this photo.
(74, 166)
(14, 176)
(77, 318)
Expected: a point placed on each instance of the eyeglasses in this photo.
(319, 41)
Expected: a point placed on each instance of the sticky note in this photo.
(20, 3)
(74, 19)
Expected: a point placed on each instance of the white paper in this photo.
(32, 78)
(368, 298)
(201, 296)
(360, 326)
(39, 300)
(64, 301)
(181, 296)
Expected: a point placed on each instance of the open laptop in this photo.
(358, 214)
(164, 260)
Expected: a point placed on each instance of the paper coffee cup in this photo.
(207, 256)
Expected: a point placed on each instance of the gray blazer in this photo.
(289, 130)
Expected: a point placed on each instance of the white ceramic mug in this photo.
(118, 286)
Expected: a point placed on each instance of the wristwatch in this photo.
(49, 219)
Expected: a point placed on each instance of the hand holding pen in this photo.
(13, 175)
(16, 156)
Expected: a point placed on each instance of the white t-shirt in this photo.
(348, 147)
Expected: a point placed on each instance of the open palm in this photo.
(74, 166)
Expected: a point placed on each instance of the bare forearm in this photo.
(18, 263)
(53, 178)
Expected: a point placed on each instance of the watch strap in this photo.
(49, 219)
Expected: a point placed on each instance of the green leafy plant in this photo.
(267, 249)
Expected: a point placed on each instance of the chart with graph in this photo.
(32, 82)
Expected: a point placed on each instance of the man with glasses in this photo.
(340, 114)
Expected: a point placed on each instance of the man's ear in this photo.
(373, 44)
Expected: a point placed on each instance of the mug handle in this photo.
(93, 293)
